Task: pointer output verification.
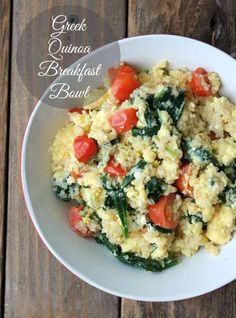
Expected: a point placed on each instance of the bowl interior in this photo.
(84, 257)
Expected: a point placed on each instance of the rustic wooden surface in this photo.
(32, 282)
(36, 284)
(5, 36)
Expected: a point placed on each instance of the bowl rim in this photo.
(30, 209)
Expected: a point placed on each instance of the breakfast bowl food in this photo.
(149, 170)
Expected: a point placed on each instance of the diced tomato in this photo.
(76, 110)
(124, 120)
(182, 184)
(127, 69)
(114, 169)
(199, 83)
(75, 175)
(161, 213)
(112, 72)
(124, 81)
(144, 229)
(84, 148)
(76, 222)
(212, 135)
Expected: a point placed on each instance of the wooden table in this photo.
(33, 283)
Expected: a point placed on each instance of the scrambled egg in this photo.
(205, 219)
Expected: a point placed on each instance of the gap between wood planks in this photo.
(6, 43)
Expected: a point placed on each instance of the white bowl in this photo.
(84, 257)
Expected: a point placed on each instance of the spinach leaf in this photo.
(152, 120)
(155, 188)
(153, 247)
(64, 189)
(171, 100)
(115, 141)
(200, 153)
(145, 131)
(228, 196)
(230, 171)
(109, 203)
(159, 229)
(132, 100)
(94, 216)
(131, 175)
(131, 211)
(119, 200)
(212, 182)
(196, 218)
(133, 260)
(115, 198)
(151, 116)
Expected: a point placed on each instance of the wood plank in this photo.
(212, 22)
(217, 304)
(181, 17)
(5, 27)
(36, 284)
(209, 21)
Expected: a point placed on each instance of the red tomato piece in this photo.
(124, 120)
(161, 213)
(75, 175)
(126, 80)
(112, 72)
(76, 222)
(114, 169)
(199, 83)
(212, 135)
(76, 110)
(182, 184)
(127, 69)
(84, 148)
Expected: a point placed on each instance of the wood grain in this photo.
(5, 26)
(213, 22)
(36, 284)
(217, 304)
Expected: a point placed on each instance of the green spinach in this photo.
(131, 175)
(115, 141)
(230, 171)
(196, 218)
(155, 188)
(133, 260)
(145, 131)
(159, 229)
(200, 153)
(152, 120)
(64, 189)
(228, 196)
(115, 195)
(94, 216)
(115, 198)
(171, 100)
